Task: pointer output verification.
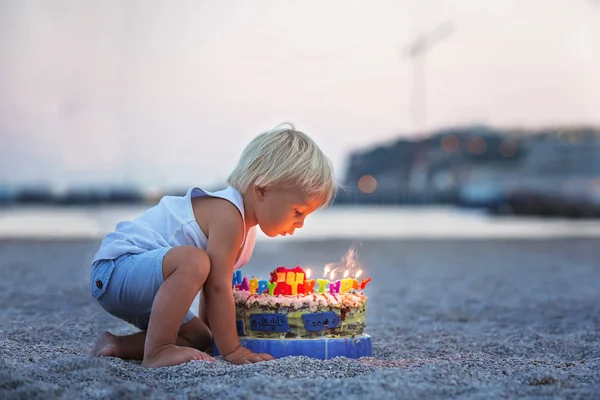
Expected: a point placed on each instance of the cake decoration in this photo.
(293, 313)
(292, 305)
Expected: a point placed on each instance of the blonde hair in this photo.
(285, 158)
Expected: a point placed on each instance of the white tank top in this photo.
(171, 223)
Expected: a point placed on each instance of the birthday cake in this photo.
(292, 306)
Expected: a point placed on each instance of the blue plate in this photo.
(324, 349)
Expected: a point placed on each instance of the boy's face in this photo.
(282, 211)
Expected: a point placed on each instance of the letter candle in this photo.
(294, 279)
(346, 285)
(309, 284)
(322, 284)
(334, 287)
(262, 286)
(253, 285)
(237, 278)
(271, 287)
(244, 285)
(364, 283)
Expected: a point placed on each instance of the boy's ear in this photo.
(259, 192)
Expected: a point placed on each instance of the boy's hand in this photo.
(242, 355)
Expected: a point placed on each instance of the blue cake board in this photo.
(324, 348)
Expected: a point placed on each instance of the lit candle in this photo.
(364, 283)
(271, 287)
(253, 285)
(334, 287)
(358, 273)
(309, 284)
(262, 286)
(322, 284)
(244, 285)
(355, 284)
(346, 273)
(346, 285)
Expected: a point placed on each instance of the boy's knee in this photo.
(198, 264)
(191, 261)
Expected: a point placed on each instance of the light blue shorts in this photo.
(126, 287)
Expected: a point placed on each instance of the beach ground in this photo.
(449, 319)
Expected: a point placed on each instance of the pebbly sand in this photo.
(449, 319)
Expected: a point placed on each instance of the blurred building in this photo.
(432, 169)
(482, 167)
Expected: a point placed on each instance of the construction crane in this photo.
(416, 52)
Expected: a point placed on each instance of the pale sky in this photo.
(168, 93)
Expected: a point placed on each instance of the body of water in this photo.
(334, 222)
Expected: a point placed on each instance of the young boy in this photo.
(149, 270)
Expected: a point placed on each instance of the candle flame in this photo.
(308, 273)
(349, 264)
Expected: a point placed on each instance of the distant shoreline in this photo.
(338, 223)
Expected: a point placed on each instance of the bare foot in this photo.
(106, 345)
(174, 355)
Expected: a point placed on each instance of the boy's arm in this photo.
(225, 235)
